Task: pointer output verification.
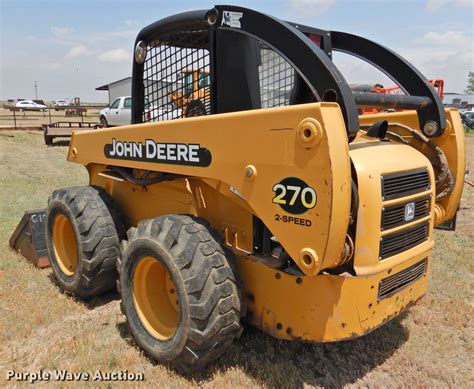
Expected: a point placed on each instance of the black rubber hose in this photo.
(145, 181)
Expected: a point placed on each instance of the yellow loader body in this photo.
(249, 187)
(246, 154)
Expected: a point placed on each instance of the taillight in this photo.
(316, 39)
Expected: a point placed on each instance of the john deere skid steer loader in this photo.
(278, 205)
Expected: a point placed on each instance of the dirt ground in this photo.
(430, 345)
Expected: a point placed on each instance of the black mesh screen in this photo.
(177, 80)
(277, 79)
(176, 76)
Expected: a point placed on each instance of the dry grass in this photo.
(40, 328)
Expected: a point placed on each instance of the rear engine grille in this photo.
(393, 284)
(394, 215)
(404, 240)
(404, 184)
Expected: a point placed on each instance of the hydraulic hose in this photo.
(144, 181)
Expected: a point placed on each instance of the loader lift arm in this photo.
(429, 105)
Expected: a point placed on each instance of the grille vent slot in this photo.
(395, 283)
(398, 185)
(394, 216)
(404, 240)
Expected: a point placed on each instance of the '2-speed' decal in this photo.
(294, 196)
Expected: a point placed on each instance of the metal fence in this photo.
(48, 115)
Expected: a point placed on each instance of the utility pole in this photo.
(36, 90)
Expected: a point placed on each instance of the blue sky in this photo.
(71, 47)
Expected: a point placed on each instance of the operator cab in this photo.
(263, 62)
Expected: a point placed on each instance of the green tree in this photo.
(470, 83)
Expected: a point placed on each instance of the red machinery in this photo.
(438, 85)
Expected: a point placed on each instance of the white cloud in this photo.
(116, 55)
(443, 54)
(60, 31)
(65, 60)
(310, 7)
(448, 63)
(127, 29)
(446, 38)
(79, 51)
(434, 5)
(113, 35)
(436, 54)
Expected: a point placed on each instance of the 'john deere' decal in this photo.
(151, 151)
(294, 195)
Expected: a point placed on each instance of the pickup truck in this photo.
(118, 113)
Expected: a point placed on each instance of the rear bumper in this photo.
(326, 308)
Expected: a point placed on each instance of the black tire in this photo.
(195, 108)
(104, 122)
(89, 229)
(208, 304)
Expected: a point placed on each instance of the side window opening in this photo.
(127, 103)
(276, 77)
(252, 74)
(115, 104)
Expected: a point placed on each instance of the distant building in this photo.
(459, 101)
(155, 90)
(118, 88)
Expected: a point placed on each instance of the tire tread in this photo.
(100, 229)
(213, 295)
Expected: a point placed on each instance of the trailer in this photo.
(64, 130)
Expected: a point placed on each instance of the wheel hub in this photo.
(65, 245)
(155, 298)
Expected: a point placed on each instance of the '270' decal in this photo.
(294, 196)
